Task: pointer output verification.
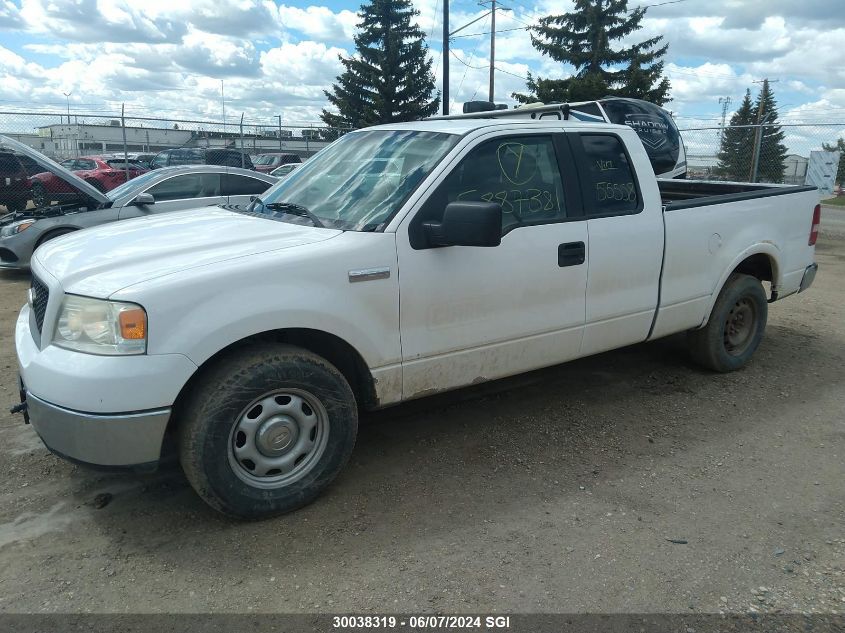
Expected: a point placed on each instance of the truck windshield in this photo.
(358, 182)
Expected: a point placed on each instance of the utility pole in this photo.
(445, 56)
(67, 98)
(279, 116)
(492, 47)
(223, 103)
(494, 6)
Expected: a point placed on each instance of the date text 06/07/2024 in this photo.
(417, 622)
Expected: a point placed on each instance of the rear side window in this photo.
(186, 157)
(237, 185)
(610, 181)
(186, 186)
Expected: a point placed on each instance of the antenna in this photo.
(725, 103)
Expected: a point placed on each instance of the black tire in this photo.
(52, 235)
(735, 327)
(39, 195)
(226, 396)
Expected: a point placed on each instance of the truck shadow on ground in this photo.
(516, 445)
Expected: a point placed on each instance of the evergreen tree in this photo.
(735, 152)
(583, 39)
(772, 150)
(389, 77)
(839, 146)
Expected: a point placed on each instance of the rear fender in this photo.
(763, 248)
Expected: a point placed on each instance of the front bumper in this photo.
(106, 411)
(128, 440)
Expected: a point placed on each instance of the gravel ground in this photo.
(627, 482)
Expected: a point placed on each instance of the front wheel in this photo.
(266, 430)
(735, 327)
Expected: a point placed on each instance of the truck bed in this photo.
(684, 194)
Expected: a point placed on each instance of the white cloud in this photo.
(162, 55)
(318, 22)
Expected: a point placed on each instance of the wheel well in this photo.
(759, 266)
(54, 233)
(333, 348)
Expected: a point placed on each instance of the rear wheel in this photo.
(266, 430)
(735, 327)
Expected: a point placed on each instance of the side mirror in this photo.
(467, 224)
(143, 199)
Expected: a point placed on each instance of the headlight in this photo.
(16, 227)
(98, 326)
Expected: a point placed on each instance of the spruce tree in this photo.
(389, 77)
(583, 39)
(772, 149)
(735, 152)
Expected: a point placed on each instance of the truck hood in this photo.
(53, 167)
(100, 261)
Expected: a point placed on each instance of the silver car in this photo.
(158, 191)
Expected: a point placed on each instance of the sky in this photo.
(168, 57)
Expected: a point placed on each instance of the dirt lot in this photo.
(556, 491)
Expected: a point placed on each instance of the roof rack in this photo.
(581, 111)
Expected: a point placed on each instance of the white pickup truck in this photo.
(401, 261)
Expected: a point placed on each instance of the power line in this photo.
(519, 28)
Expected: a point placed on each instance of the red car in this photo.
(103, 173)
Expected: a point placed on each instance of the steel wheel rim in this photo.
(740, 325)
(278, 438)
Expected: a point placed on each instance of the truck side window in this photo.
(520, 173)
(611, 183)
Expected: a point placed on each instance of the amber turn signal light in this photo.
(133, 324)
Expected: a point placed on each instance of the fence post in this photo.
(125, 153)
(279, 116)
(243, 162)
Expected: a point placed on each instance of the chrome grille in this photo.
(40, 295)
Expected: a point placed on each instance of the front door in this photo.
(469, 314)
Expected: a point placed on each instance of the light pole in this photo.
(67, 100)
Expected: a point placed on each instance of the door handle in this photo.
(571, 254)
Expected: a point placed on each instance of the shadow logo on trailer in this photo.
(651, 129)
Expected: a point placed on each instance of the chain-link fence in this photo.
(757, 153)
(71, 134)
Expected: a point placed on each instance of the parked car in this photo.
(266, 163)
(201, 156)
(15, 183)
(142, 158)
(284, 170)
(102, 173)
(154, 192)
(488, 248)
